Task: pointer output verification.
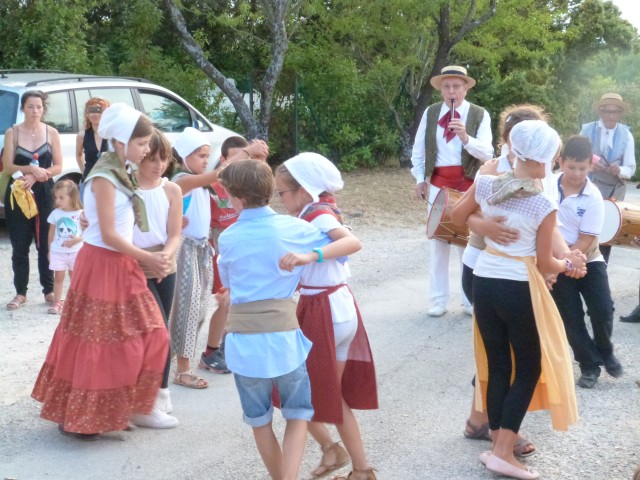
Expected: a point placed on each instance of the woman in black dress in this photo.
(89, 144)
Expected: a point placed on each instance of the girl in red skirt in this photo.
(108, 353)
(340, 363)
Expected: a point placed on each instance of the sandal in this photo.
(17, 302)
(49, 298)
(192, 381)
(522, 448)
(87, 437)
(476, 433)
(57, 308)
(369, 472)
(324, 469)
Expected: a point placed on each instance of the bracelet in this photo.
(569, 265)
(320, 256)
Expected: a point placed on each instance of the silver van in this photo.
(68, 93)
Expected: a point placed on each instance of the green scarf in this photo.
(506, 186)
(110, 167)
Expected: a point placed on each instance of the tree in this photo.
(275, 14)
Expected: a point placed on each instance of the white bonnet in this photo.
(534, 140)
(315, 174)
(118, 122)
(189, 141)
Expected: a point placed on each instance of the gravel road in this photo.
(424, 366)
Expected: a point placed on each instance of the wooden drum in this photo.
(621, 224)
(439, 224)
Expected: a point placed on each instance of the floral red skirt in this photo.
(108, 353)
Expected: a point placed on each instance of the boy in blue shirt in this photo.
(580, 218)
(264, 344)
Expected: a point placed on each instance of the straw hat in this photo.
(452, 71)
(611, 99)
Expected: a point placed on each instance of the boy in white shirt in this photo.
(580, 218)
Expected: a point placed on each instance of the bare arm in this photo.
(56, 152)
(52, 234)
(192, 181)
(464, 207)
(547, 263)
(344, 243)
(9, 153)
(105, 194)
(80, 150)
(174, 222)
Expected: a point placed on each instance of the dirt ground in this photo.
(424, 366)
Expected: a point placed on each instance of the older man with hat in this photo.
(613, 143)
(453, 139)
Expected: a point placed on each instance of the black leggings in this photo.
(163, 293)
(504, 315)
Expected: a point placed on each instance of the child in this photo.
(580, 218)
(163, 202)
(329, 317)
(222, 216)
(264, 345)
(65, 237)
(193, 277)
(523, 318)
(106, 358)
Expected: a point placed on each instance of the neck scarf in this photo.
(110, 167)
(444, 123)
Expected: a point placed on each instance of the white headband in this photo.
(315, 174)
(189, 141)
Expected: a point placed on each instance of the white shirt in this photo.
(628, 167)
(157, 206)
(580, 213)
(449, 153)
(123, 218)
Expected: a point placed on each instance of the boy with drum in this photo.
(580, 218)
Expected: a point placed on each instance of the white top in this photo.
(328, 274)
(157, 206)
(628, 167)
(582, 212)
(197, 208)
(449, 153)
(523, 214)
(67, 226)
(123, 217)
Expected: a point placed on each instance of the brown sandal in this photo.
(324, 469)
(369, 472)
(473, 432)
(17, 302)
(192, 380)
(49, 299)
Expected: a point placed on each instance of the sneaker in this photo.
(612, 366)
(589, 378)
(156, 419)
(214, 362)
(436, 311)
(163, 401)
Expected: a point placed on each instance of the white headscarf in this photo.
(534, 140)
(189, 141)
(315, 174)
(118, 122)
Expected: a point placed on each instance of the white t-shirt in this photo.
(522, 214)
(582, 212)
(67, 227)
(329, 273)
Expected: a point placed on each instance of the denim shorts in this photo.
(256, 396)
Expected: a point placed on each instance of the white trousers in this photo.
(439, 266)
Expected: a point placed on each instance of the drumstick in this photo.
(452, 113)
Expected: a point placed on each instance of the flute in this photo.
(452, 113)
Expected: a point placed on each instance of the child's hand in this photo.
(258, 149)
(84, 223)
(71, 242)
(290, 260)
(185, 222)
(222, 297)
(158, 263)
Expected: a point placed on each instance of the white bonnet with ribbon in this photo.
(189, 141)
(534, 140)
(118, 122)
(315, 173)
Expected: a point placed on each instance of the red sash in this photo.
(451, 177)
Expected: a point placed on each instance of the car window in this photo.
(112, 95)
(59, 112)
(166, 113)
(8, 110)
(202, 124)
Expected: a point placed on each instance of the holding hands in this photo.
(158, 263)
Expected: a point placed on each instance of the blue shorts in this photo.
(295, 396)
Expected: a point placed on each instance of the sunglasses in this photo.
(611, 112)
(94, 109)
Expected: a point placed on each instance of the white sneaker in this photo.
(467, 310)
(436, 311)
(163, 401)
(156, 419)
